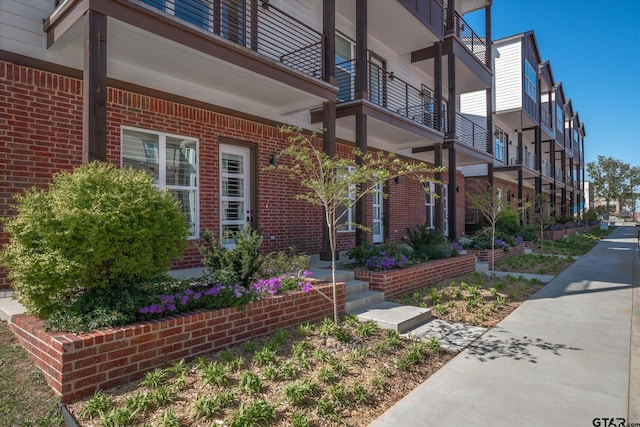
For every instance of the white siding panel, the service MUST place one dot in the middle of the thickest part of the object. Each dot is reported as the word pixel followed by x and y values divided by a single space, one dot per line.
pixel 473 105
pixel 21 26
pixel 307 11
pixel 508 76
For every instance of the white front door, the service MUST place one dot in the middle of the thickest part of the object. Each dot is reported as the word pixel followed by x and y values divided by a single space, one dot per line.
pixel 235 191
pixel 378 210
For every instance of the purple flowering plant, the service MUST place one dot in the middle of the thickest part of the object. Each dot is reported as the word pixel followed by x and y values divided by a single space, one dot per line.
pixel 285 282
pixel 386 261
pixel 198 295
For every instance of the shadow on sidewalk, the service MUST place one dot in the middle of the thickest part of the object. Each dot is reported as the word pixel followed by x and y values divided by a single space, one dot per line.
pixel 490 347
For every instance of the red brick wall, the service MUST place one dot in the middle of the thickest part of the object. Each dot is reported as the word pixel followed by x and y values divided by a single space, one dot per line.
pixel 42 134
pixel 78 365
pixel 395 282
pixel 484 255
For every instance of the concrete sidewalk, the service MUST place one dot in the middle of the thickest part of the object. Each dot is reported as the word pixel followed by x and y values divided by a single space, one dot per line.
pixel 564 357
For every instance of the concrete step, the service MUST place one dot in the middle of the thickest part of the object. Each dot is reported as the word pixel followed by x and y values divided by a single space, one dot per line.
pixel 9 306
pixel 355 286
pixel 325 274
pixel 362 299
pixel 390 315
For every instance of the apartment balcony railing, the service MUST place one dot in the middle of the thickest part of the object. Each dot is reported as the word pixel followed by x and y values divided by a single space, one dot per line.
pixel 545 117
pixel 463 31
pixel 472 134
pixel 256 25
pixel 559 175
pixel 525 158
pixel 546 168
pixel 388 91
pixel 569 180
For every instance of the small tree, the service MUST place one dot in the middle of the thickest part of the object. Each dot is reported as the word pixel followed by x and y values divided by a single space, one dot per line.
pixel 482 197
pixel 542 214
pixel 336 184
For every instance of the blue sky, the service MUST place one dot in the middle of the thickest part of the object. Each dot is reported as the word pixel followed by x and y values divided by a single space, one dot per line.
pixel 594 50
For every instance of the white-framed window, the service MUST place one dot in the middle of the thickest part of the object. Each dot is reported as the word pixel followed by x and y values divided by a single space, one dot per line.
pixel 346 219
pixel 430 204
pixel 500 198
pixel 172 162
pixel 531 79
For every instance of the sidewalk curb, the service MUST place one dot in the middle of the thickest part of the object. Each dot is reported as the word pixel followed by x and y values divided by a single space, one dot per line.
pixel 633 411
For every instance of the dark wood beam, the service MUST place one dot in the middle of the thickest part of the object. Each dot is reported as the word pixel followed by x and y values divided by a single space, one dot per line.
pixel 453 228
pixel 438 205
pixel 362 203
pixel 329 35
pixel 424 54
pixel 94 88
pixel 362 63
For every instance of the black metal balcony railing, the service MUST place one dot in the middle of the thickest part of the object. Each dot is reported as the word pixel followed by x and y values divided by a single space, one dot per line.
pixel 472 134
pixel 525 158
pixel 256 25
pixel 545 117
pixel 546 168
pixel 463 31
pixel 388 91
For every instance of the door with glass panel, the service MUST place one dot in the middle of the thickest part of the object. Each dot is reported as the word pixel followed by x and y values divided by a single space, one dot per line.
pixel 345 68
pixel 235 191
pixel 378 210
pixel 377 83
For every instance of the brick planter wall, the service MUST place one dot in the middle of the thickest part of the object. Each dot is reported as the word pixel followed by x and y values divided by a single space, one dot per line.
pixel 499 254
pixel 78 365
pixel 395 282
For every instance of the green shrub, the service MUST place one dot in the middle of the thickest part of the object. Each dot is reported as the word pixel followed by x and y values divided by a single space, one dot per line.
pixel 590 215
pixel 529 233
pixel 508 221
pixel 427 243
pixel 277 264
pixel 367 251
pixel 95 227
pixel 239 265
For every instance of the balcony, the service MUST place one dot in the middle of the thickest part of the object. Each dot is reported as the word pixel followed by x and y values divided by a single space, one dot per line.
pixel 559 175
pixel 523 158
pixel 472 134
pixel 546 168
pixel 254 24
pixel 545 117
pixel 463 32
pixel 221 52
pixel 569 180
pixel 388 91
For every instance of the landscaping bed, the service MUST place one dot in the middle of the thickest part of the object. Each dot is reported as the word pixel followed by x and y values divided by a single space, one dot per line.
pixel 473 299
pixel 397 281
pixel 77 365
pixel 535 264
pixel 318 375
